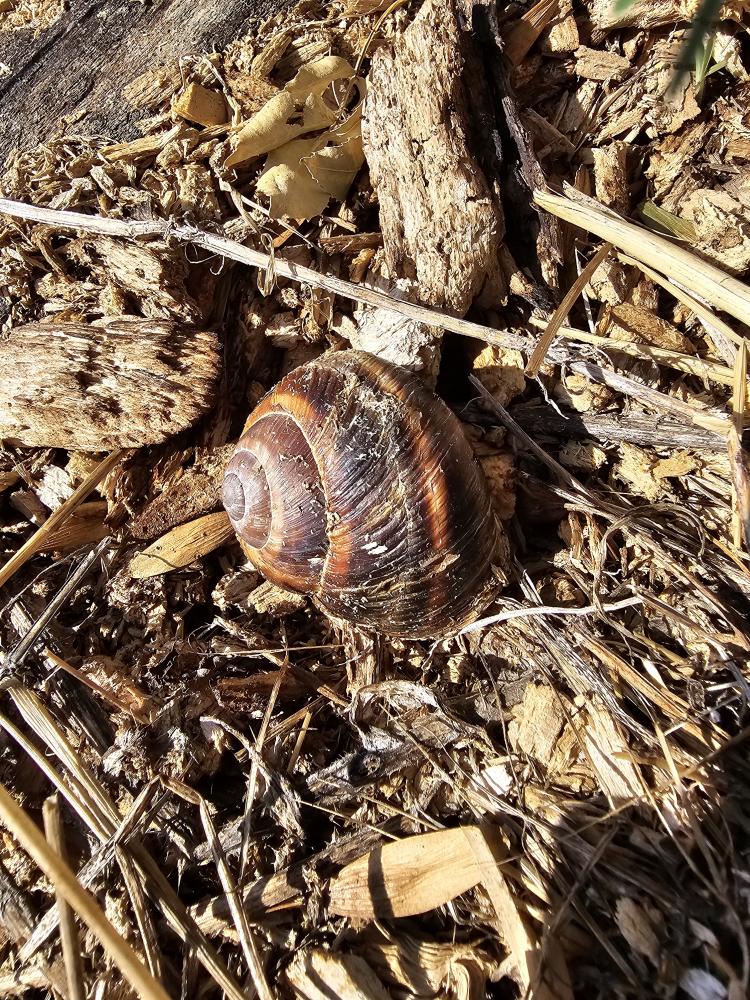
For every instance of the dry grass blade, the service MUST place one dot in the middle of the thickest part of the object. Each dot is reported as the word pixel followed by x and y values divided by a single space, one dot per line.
pixel 84 904
pixel 68 935
pixel 89 798
pixel 58 517
pixel 737 457
pixel 561 313
pixel 93 867
pixel 720 289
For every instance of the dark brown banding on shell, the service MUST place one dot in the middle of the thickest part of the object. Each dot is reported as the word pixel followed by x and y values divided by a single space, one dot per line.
pixel 293 551
pixel 401 533
pixel 412 545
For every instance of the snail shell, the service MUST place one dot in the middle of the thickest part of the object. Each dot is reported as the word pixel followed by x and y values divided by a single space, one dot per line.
pixel 354 484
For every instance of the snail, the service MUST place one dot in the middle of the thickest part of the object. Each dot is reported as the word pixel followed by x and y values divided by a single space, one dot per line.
pixel 354 484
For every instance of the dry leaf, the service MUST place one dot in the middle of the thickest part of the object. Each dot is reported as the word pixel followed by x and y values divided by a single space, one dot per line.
pixel 316 76
pixel 266 130
pixel 296 111
pixel 301 177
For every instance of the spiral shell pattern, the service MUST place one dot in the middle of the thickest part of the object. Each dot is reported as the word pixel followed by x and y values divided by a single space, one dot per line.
pixel 353 483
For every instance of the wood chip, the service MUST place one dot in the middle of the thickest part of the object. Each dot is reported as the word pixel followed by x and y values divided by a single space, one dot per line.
pixel 408 876
pixel 316 974
pixel 201 105
pixel 597 64
pixel 182 545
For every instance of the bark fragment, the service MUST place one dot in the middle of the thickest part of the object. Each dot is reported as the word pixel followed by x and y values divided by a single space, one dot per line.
pixel 129 383
pixel 441 224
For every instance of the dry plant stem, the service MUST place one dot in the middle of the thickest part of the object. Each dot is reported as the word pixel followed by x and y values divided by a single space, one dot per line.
pixel 561 313
pixel 651 397
pixel 369 296
pixel 99 812
pixel 720 289
pixel 77 797
pixel 96 864
pixel 255 258
pixel 67 885
pixel 701 367
pixel 737 463
pixel 17 654
pixel 68 934
pixel 724 336
pixel 37 540
pixel 229 885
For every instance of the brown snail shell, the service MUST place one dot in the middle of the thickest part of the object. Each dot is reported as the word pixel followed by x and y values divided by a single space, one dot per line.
pixel 354 484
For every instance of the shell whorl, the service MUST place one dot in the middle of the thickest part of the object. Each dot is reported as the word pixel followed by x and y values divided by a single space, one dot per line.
pixel 387 521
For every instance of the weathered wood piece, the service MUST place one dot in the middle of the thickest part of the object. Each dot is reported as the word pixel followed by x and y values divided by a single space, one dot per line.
pixel 442 224
pixel 544 423
pixel 182 545
pixel 81 64
pixel 197 492
pixel 129 383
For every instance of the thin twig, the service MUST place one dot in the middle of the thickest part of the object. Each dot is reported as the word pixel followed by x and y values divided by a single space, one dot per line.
pixel 561 313
pixel 229 885
pixel 16 655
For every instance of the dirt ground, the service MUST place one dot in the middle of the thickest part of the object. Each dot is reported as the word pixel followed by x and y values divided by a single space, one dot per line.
pixel 536 210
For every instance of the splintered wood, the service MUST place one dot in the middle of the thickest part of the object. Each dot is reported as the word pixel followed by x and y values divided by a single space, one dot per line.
pixel 442 223
pixel 128 383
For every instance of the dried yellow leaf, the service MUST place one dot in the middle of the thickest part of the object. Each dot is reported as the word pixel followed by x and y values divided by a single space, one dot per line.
pixel 292 113
pixel 316 76
pixel 289 184
pixel 266 130
pixel 335 167
pixel 302 176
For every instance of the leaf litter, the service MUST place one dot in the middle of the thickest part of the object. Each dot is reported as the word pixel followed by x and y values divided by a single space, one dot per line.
pixel 552 804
